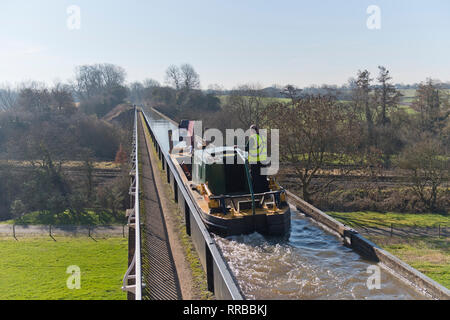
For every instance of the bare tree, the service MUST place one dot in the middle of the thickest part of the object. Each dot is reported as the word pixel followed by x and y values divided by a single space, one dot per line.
pixel 62 98
pixel 100 87
pixel 428 165
pixel 184 77
pixel 136 92
pixel 151 83
pixel 190 78
pixel 173 77
pixel 88 81
pixel 316 131
pixel 35 97
pixel 92 80
pixel 112 75
pixel 248 102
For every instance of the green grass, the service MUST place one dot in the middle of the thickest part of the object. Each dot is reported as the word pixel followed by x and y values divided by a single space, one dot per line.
pixel 429 256
pixel 405 101
pixel 373 219
pixel 407 109
pixel 88 217
pixel 35 268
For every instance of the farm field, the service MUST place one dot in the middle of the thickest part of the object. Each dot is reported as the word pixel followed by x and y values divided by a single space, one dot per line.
pixel 373 219
pixel 35 268
pixel 431 256
pixel 423 250
pixel 405 101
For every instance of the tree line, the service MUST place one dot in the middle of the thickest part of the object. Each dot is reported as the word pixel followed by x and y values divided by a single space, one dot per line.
pixel 180 97
pixel 368 129
pixel 42 127
pixel 359 126
pixel 372 132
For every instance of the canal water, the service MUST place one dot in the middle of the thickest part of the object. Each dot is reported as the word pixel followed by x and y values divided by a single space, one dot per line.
pixel 308 263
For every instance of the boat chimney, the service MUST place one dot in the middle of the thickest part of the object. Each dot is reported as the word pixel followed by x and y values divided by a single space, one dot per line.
pixel 170 141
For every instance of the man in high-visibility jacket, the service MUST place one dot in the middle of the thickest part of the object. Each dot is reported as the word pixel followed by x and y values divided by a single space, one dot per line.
pixel 257 155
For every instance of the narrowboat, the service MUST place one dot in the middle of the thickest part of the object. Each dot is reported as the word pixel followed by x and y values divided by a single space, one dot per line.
pixel 220 184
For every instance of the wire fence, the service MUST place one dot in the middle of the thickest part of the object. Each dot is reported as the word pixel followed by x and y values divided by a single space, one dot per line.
pixel 13 230
pixel 402 230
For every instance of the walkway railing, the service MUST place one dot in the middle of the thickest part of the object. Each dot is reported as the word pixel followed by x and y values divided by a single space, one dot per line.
pixel 132 281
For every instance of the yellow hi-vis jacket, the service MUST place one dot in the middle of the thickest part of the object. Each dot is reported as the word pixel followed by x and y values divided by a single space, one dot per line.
pixel 257 150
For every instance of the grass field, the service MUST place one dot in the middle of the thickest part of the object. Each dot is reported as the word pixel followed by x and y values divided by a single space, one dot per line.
pixel 430 255
pixel 35 268
pixel 373 219
pixel 404 103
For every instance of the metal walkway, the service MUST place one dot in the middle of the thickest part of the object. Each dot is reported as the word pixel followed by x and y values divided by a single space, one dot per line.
pixel 158 268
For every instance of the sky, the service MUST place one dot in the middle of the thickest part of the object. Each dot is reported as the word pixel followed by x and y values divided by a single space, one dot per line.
pixel 229 42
